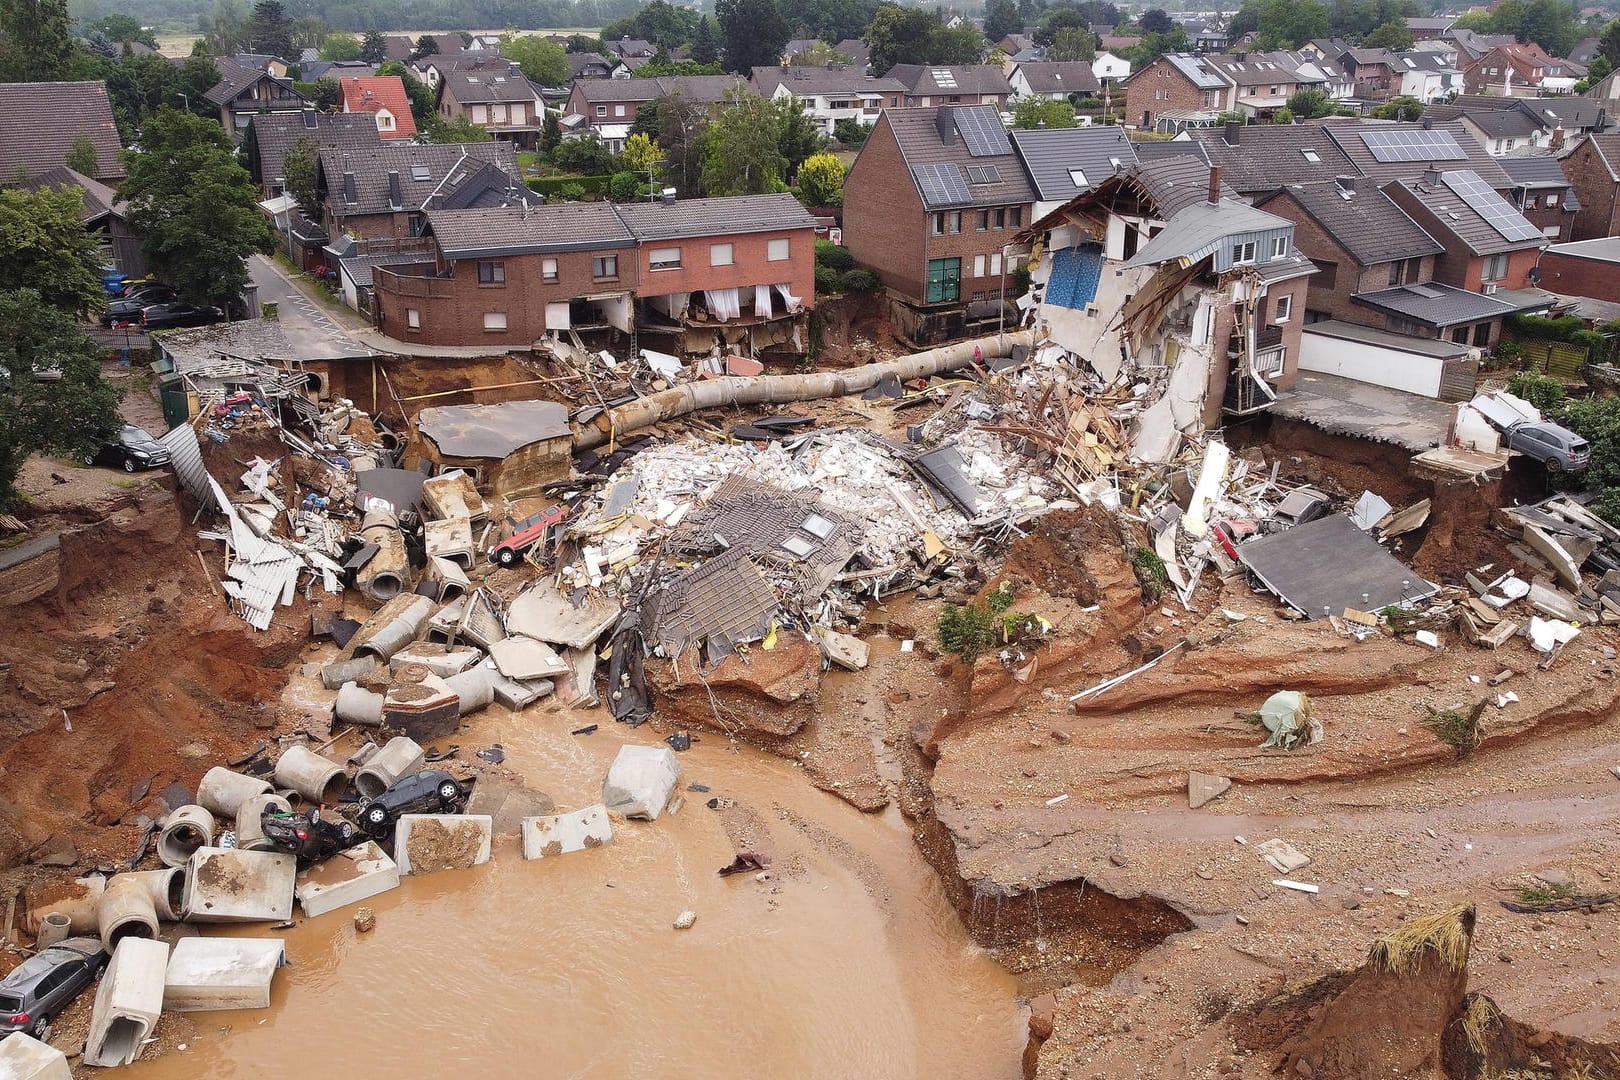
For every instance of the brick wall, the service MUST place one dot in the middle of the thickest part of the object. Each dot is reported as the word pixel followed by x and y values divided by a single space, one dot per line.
pixel 451 310
pixel 368 226
pixel 750 265
pixel 973 242
pixel 1143 100
pixel 1545 217
pixel 1220 368
pixel 1575 276
pixel 885 225
pixel 1596 188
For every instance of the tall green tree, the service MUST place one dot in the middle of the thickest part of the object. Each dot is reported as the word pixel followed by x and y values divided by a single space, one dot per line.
pixel 270 31
pixel 194 207
pixel 120 28
pixel 1001 18
pixel 797 136
pixel 340 45
pixel 752 32
pixel 1390 35
pixel 742 154
pixel 426 45
pixel 543 62
pixel 705 48
pixel 62 416
pixel 44 247
pixel 300 166
pixel 224 28
pixel 1072 43
pixel 551 133
pixel 1056 19
pixel 1154 21
pixel 36 44
pixel 374 47
pixel 898 35
pixel 83 158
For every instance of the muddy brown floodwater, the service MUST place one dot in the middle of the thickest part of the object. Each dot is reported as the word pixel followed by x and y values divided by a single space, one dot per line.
pixel 847 963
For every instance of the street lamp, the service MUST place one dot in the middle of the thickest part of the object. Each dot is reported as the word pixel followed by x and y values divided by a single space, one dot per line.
pixel 185 98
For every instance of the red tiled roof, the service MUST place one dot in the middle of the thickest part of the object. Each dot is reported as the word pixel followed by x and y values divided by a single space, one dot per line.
pixel 375 93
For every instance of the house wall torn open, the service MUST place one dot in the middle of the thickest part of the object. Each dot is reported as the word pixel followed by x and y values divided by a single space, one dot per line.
pixel 1325 566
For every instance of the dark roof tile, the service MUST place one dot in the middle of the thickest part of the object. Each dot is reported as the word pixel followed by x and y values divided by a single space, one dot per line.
pixel 39 123
pixel 1367 224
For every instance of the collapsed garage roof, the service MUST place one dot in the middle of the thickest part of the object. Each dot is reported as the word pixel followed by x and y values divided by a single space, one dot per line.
pixel 492 431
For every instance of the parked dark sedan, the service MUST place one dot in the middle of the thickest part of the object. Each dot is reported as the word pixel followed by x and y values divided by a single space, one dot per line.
pixel 431 791
pixel 43 985
pixel 167 316
pixel 132 450
pixel 128 308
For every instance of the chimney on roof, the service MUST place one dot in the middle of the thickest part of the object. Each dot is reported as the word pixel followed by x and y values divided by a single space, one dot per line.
pixel 667 196
pixel 1214 184
pixel 395 197
pixel 1428 123
pixel 1431 176
pixel 1234 132
pixel 1346 183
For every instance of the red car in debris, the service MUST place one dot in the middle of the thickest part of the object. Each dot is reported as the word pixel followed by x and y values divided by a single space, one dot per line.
pixel 530 531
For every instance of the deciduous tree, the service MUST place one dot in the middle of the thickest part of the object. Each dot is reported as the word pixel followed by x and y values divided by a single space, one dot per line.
pixel 1043 112
pixel 742 154
pixel 299 167
pixel 821 180
pixel 1072 43
pixel 543 62
pixel 44 247
pixel 35 42
pixel 752 33
pixel 1001 18
pixel 340 45
pixel 194 207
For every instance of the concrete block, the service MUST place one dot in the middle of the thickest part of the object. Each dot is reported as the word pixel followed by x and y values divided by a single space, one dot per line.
pixel 640 781
pixel 421 705
pixel 402 756
pixel 128 1002
pixel 425 843
pixel 441 659
pixel 517 695
pixel 230 885
pixel 849 653
pixel 346 878
pixel 23 1057
pixel 335 674
pixel 560 834
pixel 210 973
pixel 525 658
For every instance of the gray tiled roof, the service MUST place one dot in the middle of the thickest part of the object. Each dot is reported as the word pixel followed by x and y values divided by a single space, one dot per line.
pixel 1604 248
pixel 699 88
pixel 276 133
pixel 1540 171
pixel 917 132
pixel 1434 304
pixel 99 199
pixel 1495 123
pixel 235 78
pixel 1368 224
pixel 1348 135
pixel 1049 155
pixel 487 86
pixel 1177 183
pixel 832 79
pixel 1267 156
pixel 920 79
pixel 1156 150
pixel 372 165
pixel 39 123
pixel 359 267
pixel 468 234
pixel 1458 216
pixel 1071 77
pixel 714 217
pixel 1196 229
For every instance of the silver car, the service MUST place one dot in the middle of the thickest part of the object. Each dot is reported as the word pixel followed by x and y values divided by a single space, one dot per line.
pixel 45 984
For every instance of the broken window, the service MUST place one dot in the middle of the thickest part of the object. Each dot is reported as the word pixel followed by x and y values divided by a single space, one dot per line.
pixel 664 258
pixel 1272 362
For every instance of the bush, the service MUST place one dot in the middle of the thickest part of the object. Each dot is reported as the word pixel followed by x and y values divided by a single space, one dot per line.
pixel 624 187
pixel 834 256
pixel 828 280
pixel 569 187
pixel 1544 393
pixel 1283 116
pixel 570 192
pixel 860 280
pixel 851 133
pixel 586 154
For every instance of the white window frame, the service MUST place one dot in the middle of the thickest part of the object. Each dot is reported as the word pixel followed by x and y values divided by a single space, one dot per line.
pixel 413 319
pixel 608 272
pixel 668 258
pixel 978 266
pixel 494 322
pixel 548 271
pixel 618 110
pixel 778 250
pixel 1275 369
pixel 1279 247
pixel 995 264
pixel 722 255
pixel 1077 177
pixel 1491 263
pixel 1283 309
pixel 601 110
pixel 1244 253
pixel 1550 201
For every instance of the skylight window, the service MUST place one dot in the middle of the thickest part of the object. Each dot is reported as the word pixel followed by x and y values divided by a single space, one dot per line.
pixel 421 173
pixel 1077 177
pixel 1311 156
pixel 945 78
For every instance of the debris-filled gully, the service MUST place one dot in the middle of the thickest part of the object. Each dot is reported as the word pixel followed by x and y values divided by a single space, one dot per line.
pixel 953 862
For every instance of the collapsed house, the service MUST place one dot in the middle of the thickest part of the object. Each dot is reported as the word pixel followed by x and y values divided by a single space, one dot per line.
pixel 1162 276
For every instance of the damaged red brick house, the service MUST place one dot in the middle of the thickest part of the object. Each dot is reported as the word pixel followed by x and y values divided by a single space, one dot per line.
pixel 685 277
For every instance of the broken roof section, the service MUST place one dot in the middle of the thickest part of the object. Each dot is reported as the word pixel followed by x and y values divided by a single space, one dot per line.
pixel 772 525
pixel 1325 566
pixel 1202 230
pixel 726 600
pixel 492 431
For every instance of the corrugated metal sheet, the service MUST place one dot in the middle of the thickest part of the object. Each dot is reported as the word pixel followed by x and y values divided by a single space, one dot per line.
pixel 187 458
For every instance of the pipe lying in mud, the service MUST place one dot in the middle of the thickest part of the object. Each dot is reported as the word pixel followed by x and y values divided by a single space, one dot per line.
pixel 186 829
pixel 398 632
pixel 222 791
pixel 773 389
pixel 384 577
pixel 54 927
pixel 399 756
pixel 165 887
pixel 126 910
pixel 319 780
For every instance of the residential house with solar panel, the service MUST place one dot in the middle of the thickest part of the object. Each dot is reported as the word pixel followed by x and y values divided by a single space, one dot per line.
pixel 1487 269
pixel 1163 274
pixel 831 93
pixel 964 84
pixel 1063 162
pixel 1544 195
pixel 686 277
pixel 1175 92
pixel 932 205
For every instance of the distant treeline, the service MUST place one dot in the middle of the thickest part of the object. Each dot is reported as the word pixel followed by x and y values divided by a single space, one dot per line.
pixel 388 15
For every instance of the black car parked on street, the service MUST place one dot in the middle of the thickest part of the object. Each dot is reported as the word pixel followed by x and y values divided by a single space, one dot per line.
pixel 167 316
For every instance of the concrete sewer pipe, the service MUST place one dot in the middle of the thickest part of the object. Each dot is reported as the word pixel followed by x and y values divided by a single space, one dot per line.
pixel 400 757
pixel 222 792
pixel 388 572
pixel 398 632
pixel 318 780
pixel 250 821
pixel 126 910
pixel 186 829
pixel 775 389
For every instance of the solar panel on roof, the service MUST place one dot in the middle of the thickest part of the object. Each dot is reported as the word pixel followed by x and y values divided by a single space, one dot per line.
pixel 1391 146
pixel 982 132
pixel 1485 202
pixel 983 174
pixel 942 184
pixel 1425 291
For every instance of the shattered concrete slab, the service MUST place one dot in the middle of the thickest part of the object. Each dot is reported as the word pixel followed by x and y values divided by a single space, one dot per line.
pixel 428 843
pixel 845 650
pixel 508 803
pixel 346 878
pixel 560 834
pixel 228 885
pixel 1203 788
pixel 518 696
pixel 207 974
pixel 1282 856
pixel 544 613
pixel 441 659
pixel 524 658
